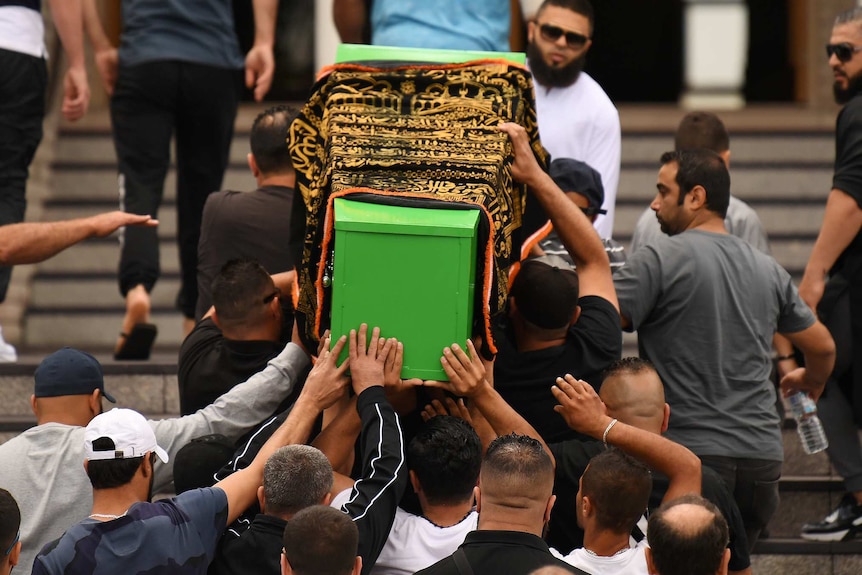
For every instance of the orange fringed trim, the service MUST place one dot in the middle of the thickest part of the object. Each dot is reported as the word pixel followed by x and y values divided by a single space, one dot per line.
pixel 327 237
pixel 326 70
pixel 528 246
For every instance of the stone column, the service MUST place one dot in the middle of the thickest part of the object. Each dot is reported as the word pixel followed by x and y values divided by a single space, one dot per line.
pixel 326 38
pixel 716 47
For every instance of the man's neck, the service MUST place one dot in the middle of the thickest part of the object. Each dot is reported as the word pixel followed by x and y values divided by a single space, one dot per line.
pixel 108 503
pixel 605 543
pixel 447 515
pixel 708 223
pixel 283 180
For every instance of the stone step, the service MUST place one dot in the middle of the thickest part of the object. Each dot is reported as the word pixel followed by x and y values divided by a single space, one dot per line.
pixel 102 257
pixel 785 184
pixel 69 209
pixel 94 327
pixel 101 182
pixel 746 148
pixel 97 148
pixel 94 291
pixel 150 387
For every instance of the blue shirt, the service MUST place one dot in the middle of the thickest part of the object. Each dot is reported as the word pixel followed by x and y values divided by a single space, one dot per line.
pixel 442 24
pixel 199 31
pixel 175 536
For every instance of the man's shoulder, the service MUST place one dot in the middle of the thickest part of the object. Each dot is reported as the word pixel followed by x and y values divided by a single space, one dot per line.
pixel 597 95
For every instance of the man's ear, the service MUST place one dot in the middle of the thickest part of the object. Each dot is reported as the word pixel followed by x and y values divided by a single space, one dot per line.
pixel 725 560
pixel 357 565
pixel 33 405
pixel 477 494
pixel 531 30
pixel 285 566
pixel 15 554
pixel 327 499
pixel 575 315
pixel 96 402
pixel 414 481
pixel 550 505
pixel 665 418
pixel 696 198
pixel 252 165
pixel 214 317
pixel 261 499
pixel 649 562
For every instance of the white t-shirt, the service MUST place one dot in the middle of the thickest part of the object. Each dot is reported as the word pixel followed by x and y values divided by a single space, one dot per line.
pixel 414 542
pixel 631 561
pixel 22 30
pixel 582 123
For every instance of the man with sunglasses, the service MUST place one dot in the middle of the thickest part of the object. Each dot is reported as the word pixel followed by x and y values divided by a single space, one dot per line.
pixel 576 118
pixel 832 283
pixel 240 333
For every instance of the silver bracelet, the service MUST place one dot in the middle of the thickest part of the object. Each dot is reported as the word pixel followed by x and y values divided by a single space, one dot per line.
pixel 607 429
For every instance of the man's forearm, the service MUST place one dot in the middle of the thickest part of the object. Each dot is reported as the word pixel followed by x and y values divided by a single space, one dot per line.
pixel 842 221
pixel 503 418
pixel 681 466
pixel 265 15
pixel 93 25
pixel 28 243
pixel 350 17
pixel 68 19
pixel 376 495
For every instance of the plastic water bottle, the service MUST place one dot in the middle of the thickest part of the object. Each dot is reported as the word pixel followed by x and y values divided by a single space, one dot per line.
pixel 807 423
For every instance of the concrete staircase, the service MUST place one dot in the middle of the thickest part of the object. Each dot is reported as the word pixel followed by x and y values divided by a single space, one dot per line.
pixel 783 171
pixel 74 295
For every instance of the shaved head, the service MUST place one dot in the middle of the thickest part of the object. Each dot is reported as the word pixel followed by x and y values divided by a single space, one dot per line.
pixel 634 394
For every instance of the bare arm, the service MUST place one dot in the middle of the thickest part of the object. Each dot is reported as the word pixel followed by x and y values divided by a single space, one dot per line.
pixel 818 347
pixel 350 17
pixel 325 384
pixel 68 19
pixel 575 230
pixel 104 52
pixel 260 61
pixel 585 412
pixel 841 223
pixel 32 242
pixel 466 375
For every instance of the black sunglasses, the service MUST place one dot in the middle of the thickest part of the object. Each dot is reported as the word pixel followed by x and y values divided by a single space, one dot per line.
pixel 843 51
pixel 552 33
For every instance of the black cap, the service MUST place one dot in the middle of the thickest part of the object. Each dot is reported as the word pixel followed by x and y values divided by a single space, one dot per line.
pixel 579 177
pixel 70 372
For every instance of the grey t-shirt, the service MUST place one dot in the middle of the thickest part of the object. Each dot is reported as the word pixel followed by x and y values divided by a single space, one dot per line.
pixel 741 221
pixel 199 31
pixel 706 306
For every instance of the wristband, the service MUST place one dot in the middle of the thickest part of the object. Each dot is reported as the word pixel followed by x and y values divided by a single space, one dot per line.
pixel 607 429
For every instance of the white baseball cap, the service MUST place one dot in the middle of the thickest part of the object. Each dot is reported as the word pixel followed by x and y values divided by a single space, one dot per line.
pixel 130 432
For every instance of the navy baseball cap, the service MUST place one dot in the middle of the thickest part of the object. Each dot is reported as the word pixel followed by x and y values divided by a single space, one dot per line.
pixel 70 372
pixel 580 178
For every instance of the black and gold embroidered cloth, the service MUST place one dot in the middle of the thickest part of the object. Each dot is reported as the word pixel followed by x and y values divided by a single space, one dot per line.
pixel 412 133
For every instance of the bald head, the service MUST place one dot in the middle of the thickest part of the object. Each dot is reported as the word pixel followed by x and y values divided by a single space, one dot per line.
pixel 634 394
pixel 688 536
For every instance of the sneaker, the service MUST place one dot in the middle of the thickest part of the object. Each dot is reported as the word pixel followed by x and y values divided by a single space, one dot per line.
pixel 840 525
pixel 7 350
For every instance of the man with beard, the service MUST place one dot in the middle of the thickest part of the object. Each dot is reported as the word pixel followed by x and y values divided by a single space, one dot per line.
pixel 837 255
pixel 576 118
pixel 706 305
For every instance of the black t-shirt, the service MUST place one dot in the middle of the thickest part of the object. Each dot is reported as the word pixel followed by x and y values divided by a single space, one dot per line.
pixel 848 178
pixel 572 458
pixel 524 379
pixel 210 365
